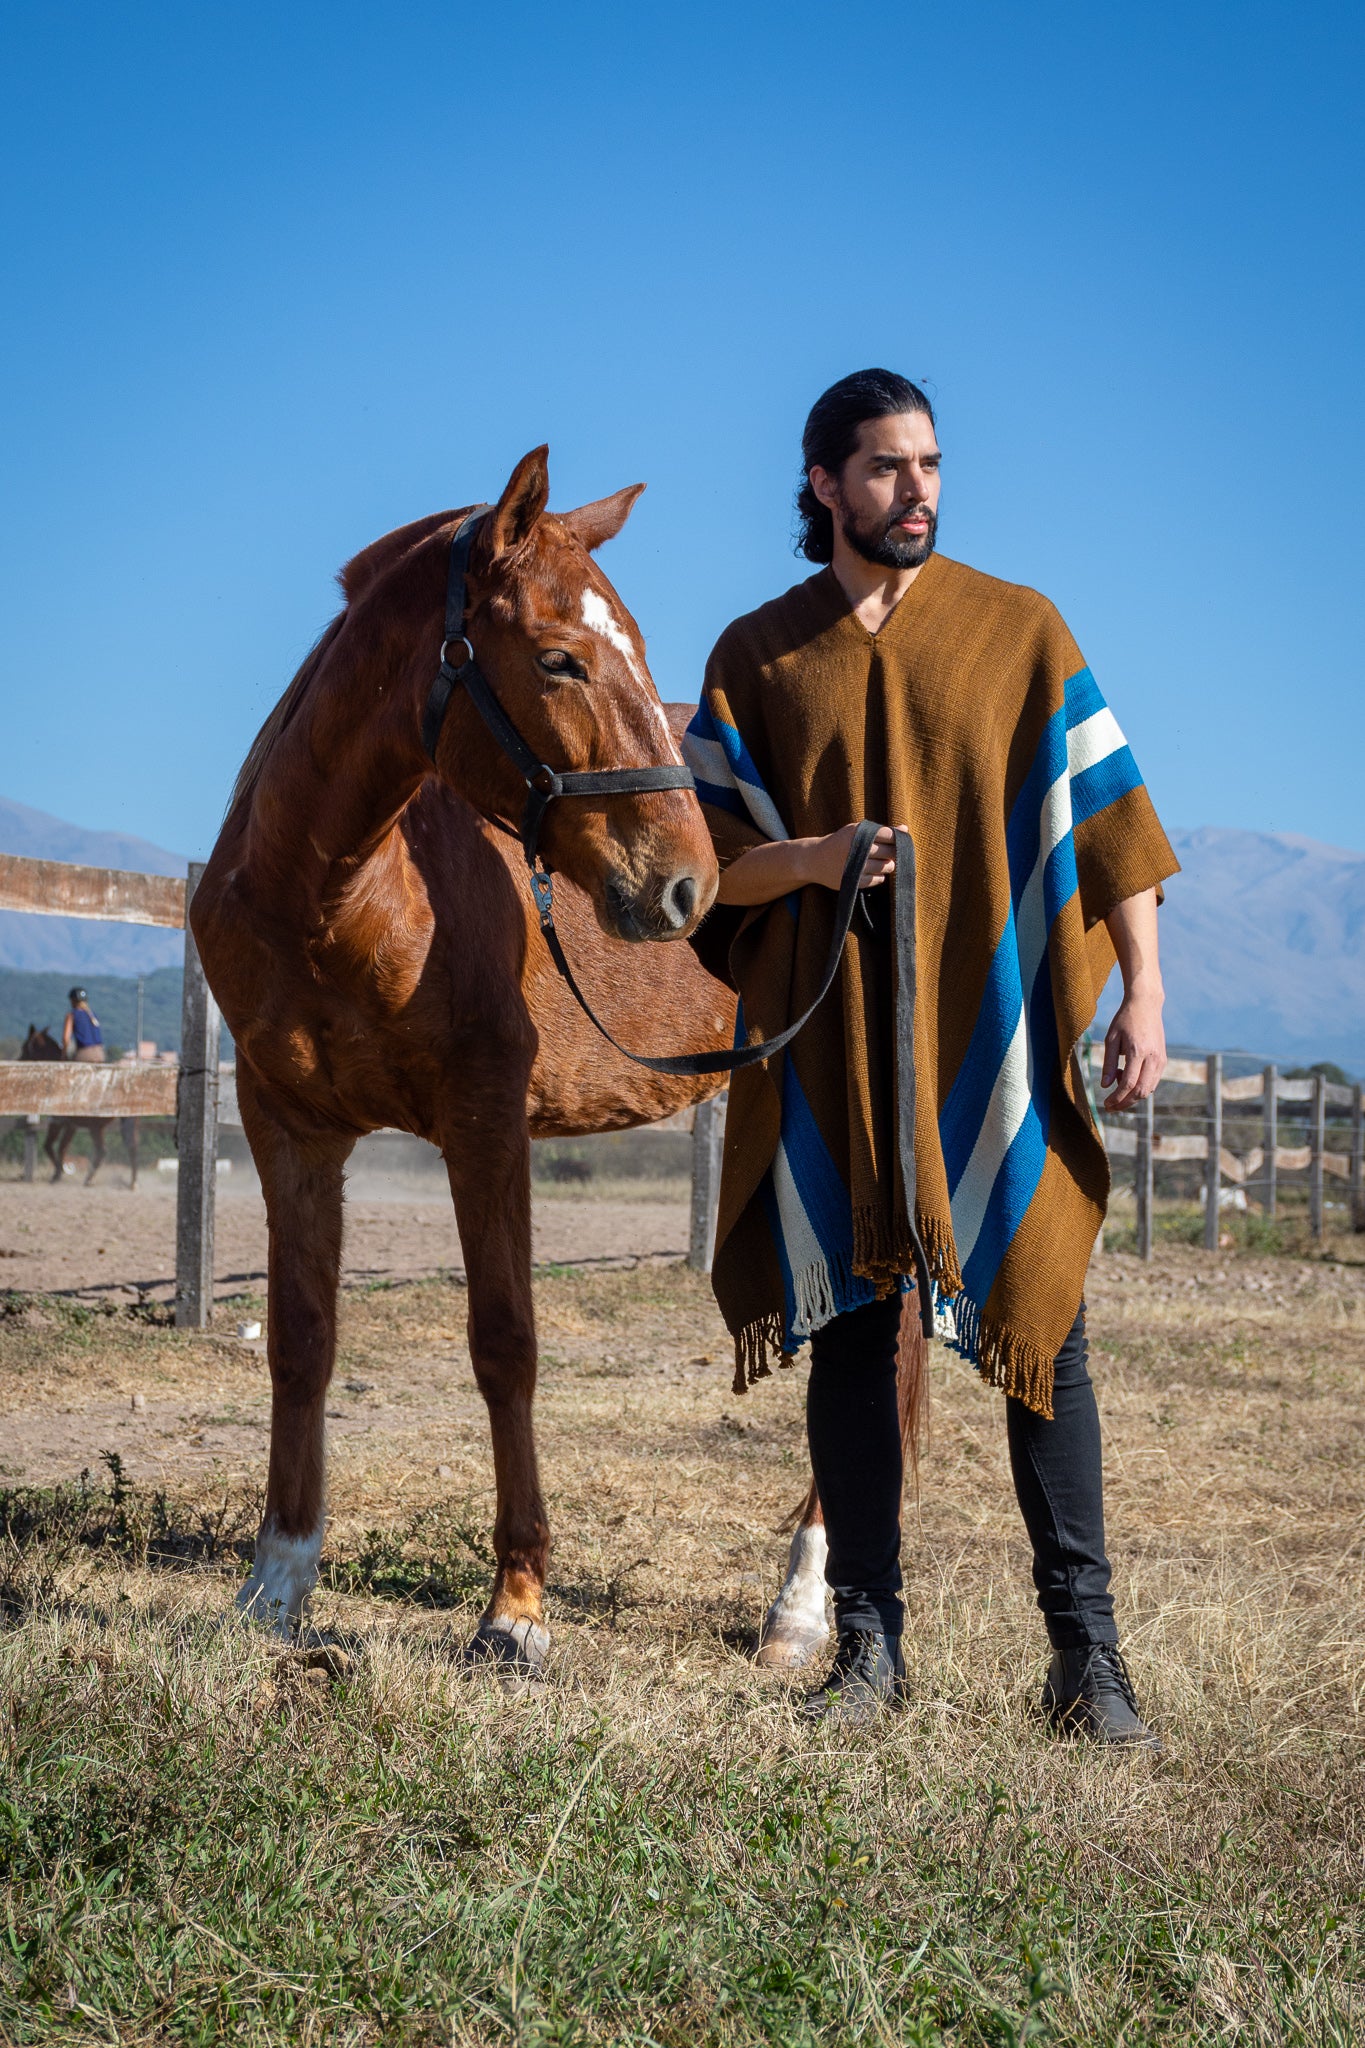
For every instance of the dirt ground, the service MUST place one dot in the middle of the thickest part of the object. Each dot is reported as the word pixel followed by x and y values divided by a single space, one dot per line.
pixel 119 1243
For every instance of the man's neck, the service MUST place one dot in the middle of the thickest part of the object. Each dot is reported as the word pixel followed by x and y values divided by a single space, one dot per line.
pixel 873 591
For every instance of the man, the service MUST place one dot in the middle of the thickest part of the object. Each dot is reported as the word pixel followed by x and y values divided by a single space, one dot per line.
pixel 903 687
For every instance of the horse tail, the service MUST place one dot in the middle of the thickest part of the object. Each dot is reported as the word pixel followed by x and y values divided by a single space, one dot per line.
pixel 912 1386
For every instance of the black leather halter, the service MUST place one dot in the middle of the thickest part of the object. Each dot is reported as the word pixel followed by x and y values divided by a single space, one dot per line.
pixel 544 784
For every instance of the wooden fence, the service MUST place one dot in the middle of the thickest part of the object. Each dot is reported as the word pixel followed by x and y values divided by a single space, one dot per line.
pixel 1136 1135
pixel 189 1093
pixel 200 1099
pixel 197 1094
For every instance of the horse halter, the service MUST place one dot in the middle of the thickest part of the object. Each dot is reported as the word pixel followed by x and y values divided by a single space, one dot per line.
pixel 543 783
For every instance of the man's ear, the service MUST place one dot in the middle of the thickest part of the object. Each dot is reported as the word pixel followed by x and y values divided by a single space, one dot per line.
pixel 519 507
pixel 603 520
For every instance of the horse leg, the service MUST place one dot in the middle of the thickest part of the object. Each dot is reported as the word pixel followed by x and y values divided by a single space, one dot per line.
pixel 96 1129
pixel 794 1628
pixel 490 1181
pixel 59 1136
pixel 302 1181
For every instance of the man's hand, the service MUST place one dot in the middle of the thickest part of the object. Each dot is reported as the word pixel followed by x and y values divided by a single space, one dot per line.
pixel 766 872
pixel 1137 1036
pixel 1137 1039
pixel 825 859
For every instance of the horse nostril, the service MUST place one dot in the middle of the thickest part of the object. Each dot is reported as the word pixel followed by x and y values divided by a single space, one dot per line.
pixel 680 900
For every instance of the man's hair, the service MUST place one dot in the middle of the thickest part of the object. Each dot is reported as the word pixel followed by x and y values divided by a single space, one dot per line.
pixel 832 435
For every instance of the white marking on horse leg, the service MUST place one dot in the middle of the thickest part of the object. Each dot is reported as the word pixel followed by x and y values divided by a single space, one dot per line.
pixel 794 1627
pixel 284 1574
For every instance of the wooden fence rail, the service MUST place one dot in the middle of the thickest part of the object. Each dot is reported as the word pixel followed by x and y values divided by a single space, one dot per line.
pixel 1134 1135
pixel 201 1098
pixel 189 1093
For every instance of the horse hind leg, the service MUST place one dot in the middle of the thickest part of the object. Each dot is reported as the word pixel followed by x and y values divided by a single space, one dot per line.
pixel 54 1146
pixel 96 1131
pixel 794 1627
pixel 302 1181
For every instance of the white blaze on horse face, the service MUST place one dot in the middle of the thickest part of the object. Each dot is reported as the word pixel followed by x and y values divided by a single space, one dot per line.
pixel 599 617
pixel 284 1574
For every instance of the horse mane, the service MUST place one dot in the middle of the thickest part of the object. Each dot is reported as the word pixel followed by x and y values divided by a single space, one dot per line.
pixel 250 772
pixel 358 577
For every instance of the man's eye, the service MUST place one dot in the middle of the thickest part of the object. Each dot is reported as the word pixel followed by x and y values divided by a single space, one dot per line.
pixel 557 663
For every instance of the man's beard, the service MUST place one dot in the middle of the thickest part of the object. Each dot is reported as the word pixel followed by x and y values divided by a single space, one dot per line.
pixel 880 543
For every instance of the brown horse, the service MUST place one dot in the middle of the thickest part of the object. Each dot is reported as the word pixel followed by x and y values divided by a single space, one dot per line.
pixel 367 928
pixel 41 1045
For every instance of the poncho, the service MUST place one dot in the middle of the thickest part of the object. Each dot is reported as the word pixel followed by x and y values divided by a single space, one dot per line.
pixel 971 718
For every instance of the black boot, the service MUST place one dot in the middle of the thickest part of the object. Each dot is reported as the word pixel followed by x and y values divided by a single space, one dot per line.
pixel 1089 1692
pixel 868 1676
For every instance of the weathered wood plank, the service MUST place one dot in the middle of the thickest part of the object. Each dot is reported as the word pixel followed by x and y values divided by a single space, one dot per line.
pixel 1120 1141
pixel 1339 1095
pixel 1295 1091
pixel 708 1146
pixel 56 888
pixel 1293 1158
pixel 1248 1089
pixel 50 1088
pixel 1337 1163
pixel 1166 1147
pixel 196 1138
pixel 1191 1073
pixel 1214 1152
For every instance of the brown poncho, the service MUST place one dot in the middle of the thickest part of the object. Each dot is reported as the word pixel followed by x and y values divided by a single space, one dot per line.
pixel 971 718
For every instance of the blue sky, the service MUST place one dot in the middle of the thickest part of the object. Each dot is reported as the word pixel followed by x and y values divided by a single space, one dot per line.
pixel 278 279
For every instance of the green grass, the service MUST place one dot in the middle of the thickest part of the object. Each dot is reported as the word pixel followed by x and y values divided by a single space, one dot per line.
pixel 205 1840
pixel 202 1840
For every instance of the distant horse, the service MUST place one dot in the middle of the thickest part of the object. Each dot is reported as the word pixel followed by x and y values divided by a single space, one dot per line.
pixel 366 926
pixel 41 1045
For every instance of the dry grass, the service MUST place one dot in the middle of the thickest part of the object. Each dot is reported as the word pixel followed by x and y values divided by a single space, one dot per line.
pixel 202 1841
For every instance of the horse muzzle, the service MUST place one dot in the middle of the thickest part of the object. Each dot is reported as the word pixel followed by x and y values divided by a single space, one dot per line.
pixel 667 910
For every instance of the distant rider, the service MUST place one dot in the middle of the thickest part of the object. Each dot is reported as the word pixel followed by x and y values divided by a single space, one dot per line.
pixel 81 1028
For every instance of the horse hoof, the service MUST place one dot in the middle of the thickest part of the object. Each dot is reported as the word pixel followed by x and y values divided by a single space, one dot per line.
pixel 794 1628
pixel 515 1651
pixel 784 1642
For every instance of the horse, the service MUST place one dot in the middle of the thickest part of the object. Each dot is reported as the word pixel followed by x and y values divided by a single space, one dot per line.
pixel 365 924
pixel 41 1045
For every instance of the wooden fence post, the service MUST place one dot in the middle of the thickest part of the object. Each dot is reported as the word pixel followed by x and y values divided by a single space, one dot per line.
pixel 1357 1160
pixel 1270 1110
pixel 1317 1145
pixel 1213 1177
pixel 708 1144
pixel 196 1135
pixel 30 1147
pixel 1144 1179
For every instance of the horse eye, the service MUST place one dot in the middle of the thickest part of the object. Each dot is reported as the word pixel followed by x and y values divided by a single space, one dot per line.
pixel 558 663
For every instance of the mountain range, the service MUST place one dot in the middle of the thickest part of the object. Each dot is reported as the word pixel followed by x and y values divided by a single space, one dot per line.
pixel 1262 934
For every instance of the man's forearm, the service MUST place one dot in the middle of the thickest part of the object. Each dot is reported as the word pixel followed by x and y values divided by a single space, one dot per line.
pixel 1135 1044
pixel 1132 927
pixel 766 872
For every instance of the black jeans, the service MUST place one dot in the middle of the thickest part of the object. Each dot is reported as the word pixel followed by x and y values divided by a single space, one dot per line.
pixel 855 1450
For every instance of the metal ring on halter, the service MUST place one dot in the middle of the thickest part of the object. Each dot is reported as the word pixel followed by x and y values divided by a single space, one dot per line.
pixel 468 652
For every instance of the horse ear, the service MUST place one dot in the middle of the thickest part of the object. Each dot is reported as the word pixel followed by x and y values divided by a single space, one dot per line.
pixel 519 507
pixel 602 520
